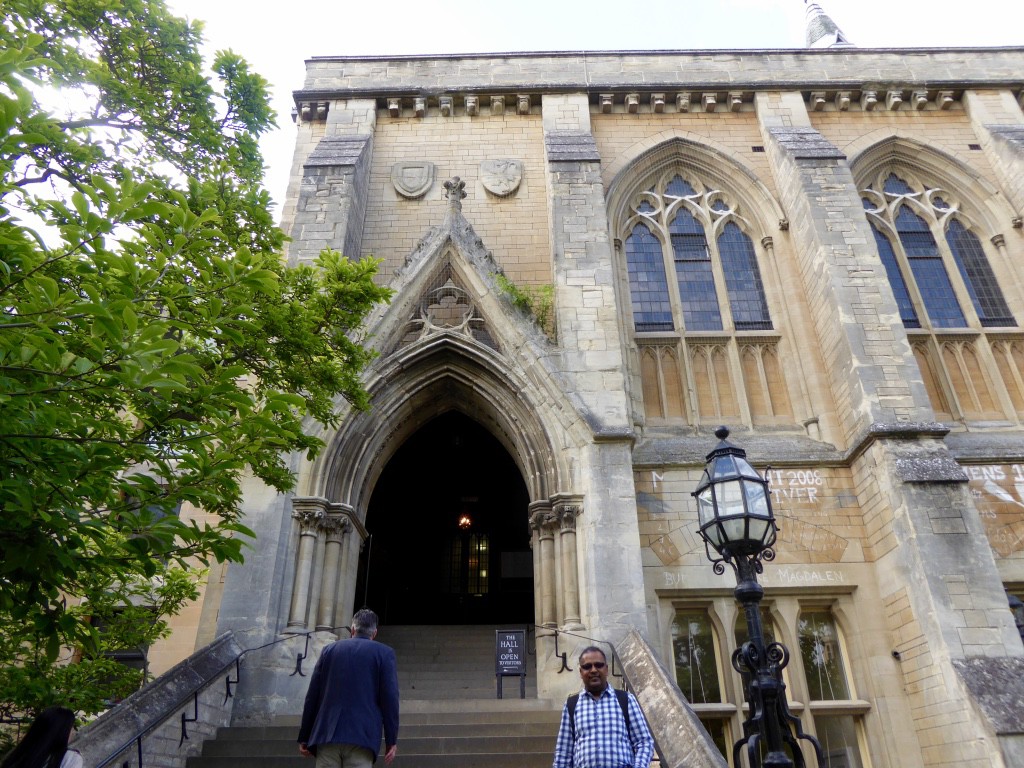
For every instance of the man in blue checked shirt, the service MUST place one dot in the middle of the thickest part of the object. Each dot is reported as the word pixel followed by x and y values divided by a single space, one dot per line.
pixel 596 734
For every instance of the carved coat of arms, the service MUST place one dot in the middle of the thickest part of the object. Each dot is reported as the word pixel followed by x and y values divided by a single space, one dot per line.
pixel 501 177
pixel 412 179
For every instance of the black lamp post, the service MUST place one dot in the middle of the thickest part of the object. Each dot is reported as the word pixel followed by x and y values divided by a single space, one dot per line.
pixel 734 510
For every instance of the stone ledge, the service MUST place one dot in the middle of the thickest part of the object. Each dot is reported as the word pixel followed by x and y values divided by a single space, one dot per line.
pixel 337 151
pixel 1012 134
pixel 806 144
pixel 571 146
pixel 930 469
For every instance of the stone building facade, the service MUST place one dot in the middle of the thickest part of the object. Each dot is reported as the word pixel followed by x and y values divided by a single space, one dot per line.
pixel 821 249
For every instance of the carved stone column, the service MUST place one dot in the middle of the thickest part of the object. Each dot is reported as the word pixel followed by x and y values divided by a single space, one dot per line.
pixel 308 512
pixel 567 509
pixel 334 527
pixel 355 538
pixel 542 522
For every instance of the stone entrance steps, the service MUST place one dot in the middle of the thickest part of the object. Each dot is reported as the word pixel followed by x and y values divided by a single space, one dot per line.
pixel 453 662
pixel 474 734
pixel 450 717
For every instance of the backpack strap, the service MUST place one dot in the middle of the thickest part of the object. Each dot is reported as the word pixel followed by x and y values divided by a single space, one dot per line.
pixel 572 701
pixel 623 698
pixel 570 705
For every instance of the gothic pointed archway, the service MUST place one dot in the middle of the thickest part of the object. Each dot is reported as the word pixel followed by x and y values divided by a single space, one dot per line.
pixel 449 541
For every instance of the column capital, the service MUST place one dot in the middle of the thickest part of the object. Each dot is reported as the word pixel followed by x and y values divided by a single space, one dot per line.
pixel 335 526
pixel 541 515
pixel 309 510
pixel 567 508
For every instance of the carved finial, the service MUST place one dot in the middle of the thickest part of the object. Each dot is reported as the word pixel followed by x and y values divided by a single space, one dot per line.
pixel 455 192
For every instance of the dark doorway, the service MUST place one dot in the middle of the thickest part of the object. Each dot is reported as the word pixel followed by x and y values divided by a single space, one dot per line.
pixel 450 539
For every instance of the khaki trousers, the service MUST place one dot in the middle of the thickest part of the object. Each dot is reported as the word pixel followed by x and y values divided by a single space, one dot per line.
pixel 343 756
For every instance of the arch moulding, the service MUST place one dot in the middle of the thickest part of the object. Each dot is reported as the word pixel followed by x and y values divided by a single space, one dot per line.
pixel 425 380
pixel 884 146
pixel 717 164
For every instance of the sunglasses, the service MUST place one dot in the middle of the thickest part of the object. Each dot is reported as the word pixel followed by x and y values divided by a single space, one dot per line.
pixel 593 665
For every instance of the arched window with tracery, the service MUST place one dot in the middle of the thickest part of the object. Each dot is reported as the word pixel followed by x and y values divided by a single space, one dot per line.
pixel 707 344
pixel 960 326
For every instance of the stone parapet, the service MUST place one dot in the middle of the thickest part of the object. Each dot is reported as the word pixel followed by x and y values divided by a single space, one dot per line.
pixel 659 70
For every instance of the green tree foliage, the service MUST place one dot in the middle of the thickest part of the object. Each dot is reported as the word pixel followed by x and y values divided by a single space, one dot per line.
pixel 153 348
pixel 88 679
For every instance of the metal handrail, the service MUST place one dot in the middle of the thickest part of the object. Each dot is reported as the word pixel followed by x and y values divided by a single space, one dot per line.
pixel 564 656
pixel 194 692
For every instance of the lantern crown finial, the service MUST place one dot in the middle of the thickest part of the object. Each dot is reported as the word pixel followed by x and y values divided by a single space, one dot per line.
pixel 722 432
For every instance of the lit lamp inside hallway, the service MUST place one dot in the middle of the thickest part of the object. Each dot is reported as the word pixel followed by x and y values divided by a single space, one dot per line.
pixel 734 510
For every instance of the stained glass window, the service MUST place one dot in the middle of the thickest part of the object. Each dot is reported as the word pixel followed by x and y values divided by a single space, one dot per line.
pixel 680 187
pixel 743 280
pixel 899 286
pixel 894 185
pixel 929 272
pixel 919 257
pixel 648 287
pixel 693 271
pixel 711 275
pixel 978 276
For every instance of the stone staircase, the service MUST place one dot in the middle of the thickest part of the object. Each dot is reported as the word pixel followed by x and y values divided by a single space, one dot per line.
pixel 450 718
pixel 452 662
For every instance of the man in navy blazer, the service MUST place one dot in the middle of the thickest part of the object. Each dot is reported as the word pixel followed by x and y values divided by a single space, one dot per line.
pixel 352 697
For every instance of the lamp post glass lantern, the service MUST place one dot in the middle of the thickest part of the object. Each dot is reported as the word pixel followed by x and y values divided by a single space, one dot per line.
pixel 734 512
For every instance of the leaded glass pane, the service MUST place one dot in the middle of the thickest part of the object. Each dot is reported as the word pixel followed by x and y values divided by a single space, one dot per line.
pixel 648 286
pixel 718 730
pixel 894 185
pixel 915 234
pixel 822 657
pixel 693 649
pixel 767 628
pixel 929 272
pixel 978 276
pixel 742 634
pixel 679 187
pixel 838 738
pixel 899 286
pixel 693 272
pixel 743 280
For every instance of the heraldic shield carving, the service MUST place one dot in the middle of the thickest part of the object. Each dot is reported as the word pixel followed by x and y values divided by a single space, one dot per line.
pixel 501 177
pixel 412 178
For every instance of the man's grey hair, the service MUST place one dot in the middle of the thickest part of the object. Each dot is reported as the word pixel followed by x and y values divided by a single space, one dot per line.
pixel 592 649
pixel 364 623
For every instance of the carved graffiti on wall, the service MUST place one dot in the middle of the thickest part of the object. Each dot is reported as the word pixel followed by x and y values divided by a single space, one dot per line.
pixel 798 497
pixel 998 491
pixel 795 486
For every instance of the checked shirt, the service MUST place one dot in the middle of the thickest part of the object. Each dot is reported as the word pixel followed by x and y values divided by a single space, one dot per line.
pixel 601 737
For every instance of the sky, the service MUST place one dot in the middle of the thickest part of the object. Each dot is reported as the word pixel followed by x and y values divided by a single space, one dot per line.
pixel 277 37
